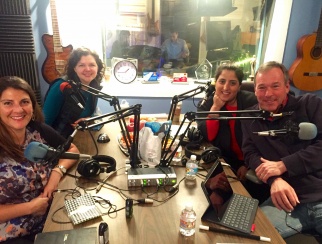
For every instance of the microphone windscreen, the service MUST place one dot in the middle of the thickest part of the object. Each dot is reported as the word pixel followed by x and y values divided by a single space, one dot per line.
pixel 36 151
pixel 64 85
pixel 307 131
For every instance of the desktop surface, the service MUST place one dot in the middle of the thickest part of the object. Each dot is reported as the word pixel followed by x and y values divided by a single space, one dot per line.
pixel 150 223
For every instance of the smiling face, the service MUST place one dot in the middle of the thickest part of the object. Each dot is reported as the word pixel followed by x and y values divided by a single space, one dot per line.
pixel 86 69
pixel 227 86
pixel 271 89
pixel 15 110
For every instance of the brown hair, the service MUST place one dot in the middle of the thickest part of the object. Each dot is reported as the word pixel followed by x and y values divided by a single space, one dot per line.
pixel 7 145
pixel 74 58
pixel 238 71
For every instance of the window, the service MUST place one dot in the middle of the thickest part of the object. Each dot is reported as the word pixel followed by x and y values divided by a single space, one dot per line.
pixel 216 30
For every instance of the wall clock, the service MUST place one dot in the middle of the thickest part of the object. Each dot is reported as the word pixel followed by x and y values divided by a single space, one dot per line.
pixel 125 71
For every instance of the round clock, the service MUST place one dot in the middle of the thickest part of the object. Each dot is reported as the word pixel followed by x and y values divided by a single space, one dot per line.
pixel 125 71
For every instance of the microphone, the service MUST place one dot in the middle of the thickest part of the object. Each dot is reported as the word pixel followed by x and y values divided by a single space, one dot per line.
pixel 305 131
pixel 67 90
pixel 37 152
pixel 209 91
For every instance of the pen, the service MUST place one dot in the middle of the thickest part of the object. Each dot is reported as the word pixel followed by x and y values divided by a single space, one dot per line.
pixel 261 238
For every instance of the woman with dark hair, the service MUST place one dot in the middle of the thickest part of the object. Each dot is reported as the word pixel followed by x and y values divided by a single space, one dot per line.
pixel 26 187
pixel 227 134
pixel 60 109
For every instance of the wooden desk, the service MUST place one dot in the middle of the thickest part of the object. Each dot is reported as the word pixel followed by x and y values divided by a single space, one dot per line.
pixel 157 223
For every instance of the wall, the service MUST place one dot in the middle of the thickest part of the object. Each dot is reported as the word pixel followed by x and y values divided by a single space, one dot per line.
pixel 303 20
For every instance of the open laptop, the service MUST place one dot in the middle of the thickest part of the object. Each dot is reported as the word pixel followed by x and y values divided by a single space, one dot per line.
pixel 225 207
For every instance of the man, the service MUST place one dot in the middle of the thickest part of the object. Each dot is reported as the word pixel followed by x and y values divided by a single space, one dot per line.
pixel 175 50
pixel 291 166
pixel 119 45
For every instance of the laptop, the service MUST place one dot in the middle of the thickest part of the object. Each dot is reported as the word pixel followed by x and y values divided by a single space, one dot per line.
pixel 227 208
pixel 74 236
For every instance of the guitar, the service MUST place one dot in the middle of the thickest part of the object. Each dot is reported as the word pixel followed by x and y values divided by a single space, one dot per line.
pixel 57 55
pixel 306 70
pixel 153 26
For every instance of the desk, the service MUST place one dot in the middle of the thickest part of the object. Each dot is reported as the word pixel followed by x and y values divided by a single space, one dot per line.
pixel 157 223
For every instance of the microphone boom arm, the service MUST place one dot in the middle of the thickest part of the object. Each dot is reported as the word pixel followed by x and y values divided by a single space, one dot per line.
pixel 192 116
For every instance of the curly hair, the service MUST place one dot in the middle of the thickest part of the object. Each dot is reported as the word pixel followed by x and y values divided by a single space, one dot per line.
pixel 7 145
pixel 74 58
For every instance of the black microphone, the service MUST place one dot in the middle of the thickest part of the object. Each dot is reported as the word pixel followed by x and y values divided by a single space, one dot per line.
pixel 305 131
pixel 37 152
pixel 67 90
pixel 209 91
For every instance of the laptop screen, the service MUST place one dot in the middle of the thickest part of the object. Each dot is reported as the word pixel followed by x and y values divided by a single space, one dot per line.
pixel 217 190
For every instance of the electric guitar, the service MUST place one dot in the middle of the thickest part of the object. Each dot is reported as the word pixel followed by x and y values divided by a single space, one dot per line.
pixel 306 70
pixel 57 55
pixel 153 26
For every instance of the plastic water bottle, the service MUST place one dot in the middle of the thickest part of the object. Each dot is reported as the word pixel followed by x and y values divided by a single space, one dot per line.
pixel 178 154
pixel 191 168
pixel 188 220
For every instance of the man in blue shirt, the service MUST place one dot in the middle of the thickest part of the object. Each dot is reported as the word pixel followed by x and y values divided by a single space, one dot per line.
pixel 175 50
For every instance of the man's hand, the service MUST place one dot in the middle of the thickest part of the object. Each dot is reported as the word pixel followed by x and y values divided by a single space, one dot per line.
pixel 283 195
pixel 268 169
pixel 241 173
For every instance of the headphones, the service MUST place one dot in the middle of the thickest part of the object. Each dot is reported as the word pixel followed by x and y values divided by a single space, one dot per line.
pixel 209 155
pixel 194 135
pixel 92 167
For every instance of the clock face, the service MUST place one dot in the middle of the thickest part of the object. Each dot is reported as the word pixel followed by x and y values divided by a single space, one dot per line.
pixel 125 71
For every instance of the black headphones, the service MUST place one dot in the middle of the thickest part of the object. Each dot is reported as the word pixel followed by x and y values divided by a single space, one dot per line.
pixel 92 167
pixel 194 135
pixel 209 155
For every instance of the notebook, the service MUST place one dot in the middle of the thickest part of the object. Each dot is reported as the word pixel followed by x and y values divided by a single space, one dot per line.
pixel 74 236
pixel 225 207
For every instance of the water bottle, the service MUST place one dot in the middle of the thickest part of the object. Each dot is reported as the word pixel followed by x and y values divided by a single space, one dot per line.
pixel 188 220
pixel 178 154
pixel 191 168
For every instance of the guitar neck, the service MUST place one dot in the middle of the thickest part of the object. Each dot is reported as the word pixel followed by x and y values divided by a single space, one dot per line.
pixel 318 42
pixel 56 36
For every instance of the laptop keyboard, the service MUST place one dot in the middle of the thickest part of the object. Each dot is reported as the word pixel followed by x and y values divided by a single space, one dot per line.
pixel 240 213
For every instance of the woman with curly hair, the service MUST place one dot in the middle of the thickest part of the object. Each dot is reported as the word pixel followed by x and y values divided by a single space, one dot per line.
pixel 60 109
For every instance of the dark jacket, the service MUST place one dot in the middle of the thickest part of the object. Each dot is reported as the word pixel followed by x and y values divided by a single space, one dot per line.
pixel 302 158
pixel 245 99
pixel 60 109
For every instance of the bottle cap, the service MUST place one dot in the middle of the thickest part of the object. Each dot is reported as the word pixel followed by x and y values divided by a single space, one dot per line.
pixel 189 206
pixel 193 157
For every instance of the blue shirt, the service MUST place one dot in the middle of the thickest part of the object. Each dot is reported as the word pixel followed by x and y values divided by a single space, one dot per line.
pixel 174 49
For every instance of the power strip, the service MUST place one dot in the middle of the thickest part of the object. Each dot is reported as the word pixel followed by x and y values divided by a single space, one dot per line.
pixel 159 176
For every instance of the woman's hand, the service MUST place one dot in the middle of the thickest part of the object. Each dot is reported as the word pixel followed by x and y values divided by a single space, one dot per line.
pixel 52 184
pixel 79 120
pixel 38 205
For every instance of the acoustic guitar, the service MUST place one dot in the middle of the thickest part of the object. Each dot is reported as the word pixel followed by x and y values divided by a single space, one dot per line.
pixel 153 26
pixel 306 70
pixel 57 55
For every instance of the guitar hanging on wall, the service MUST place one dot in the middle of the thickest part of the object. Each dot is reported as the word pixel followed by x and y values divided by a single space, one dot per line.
pixel 306 70
pixel 57 55
pixel 153 26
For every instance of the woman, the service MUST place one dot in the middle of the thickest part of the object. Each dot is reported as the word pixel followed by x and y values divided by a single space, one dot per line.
pixel 60 109
pixel 26 187
pixel 227 134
